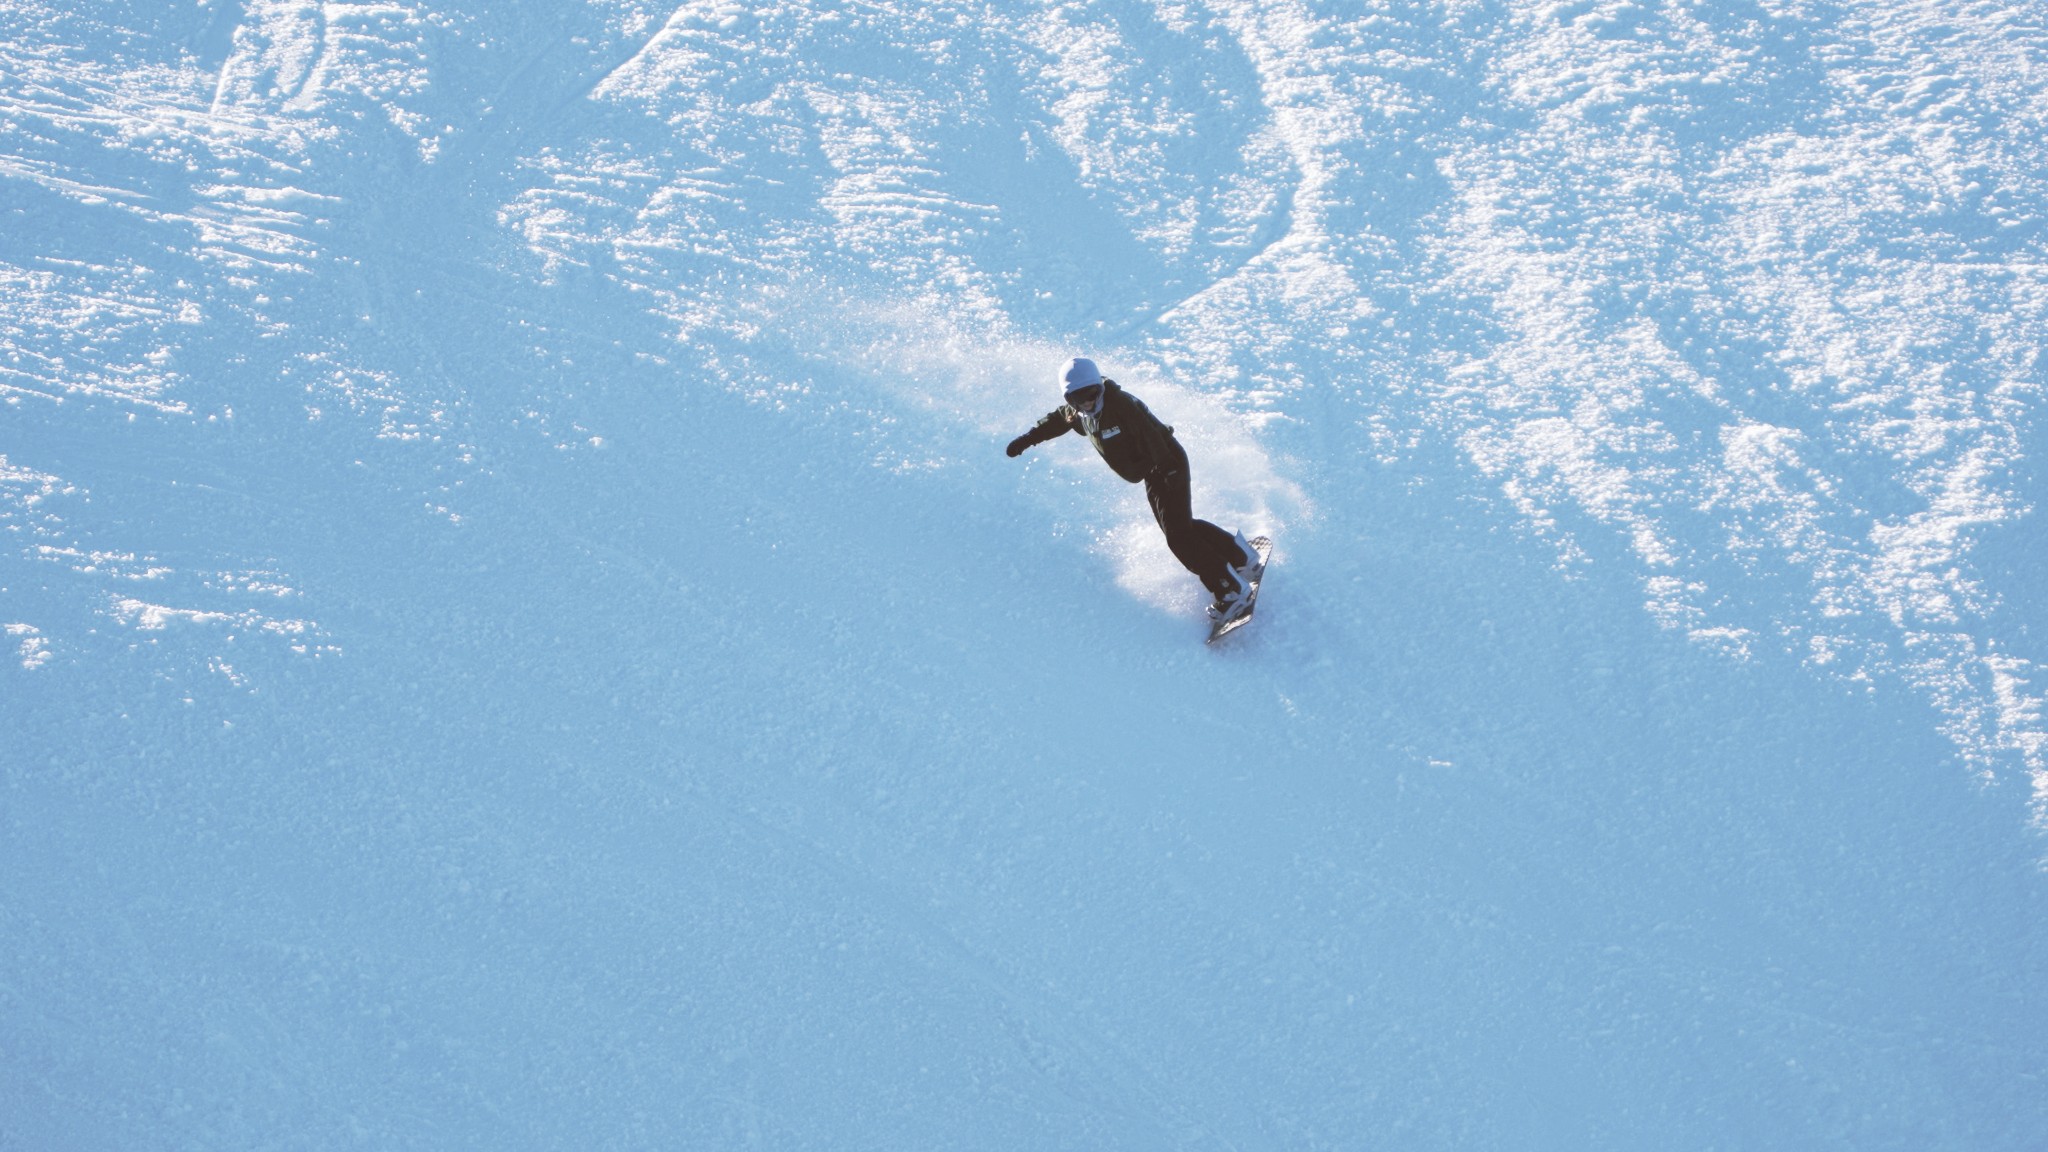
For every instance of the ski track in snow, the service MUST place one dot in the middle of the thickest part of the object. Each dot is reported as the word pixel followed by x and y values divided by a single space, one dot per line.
pixel 1740 306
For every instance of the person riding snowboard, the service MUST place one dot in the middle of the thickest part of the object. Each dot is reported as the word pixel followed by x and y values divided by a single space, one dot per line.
pixel 1139 448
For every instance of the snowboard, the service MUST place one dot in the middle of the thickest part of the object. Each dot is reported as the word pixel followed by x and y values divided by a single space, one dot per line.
pixel 1238 619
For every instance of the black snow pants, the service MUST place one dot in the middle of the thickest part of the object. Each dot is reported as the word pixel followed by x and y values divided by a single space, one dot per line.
pixel 1201 547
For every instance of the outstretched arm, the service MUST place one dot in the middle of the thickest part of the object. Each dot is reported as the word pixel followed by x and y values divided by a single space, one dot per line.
pixel 1055 423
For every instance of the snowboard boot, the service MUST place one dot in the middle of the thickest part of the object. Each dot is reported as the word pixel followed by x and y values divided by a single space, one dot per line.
pixel 1229 600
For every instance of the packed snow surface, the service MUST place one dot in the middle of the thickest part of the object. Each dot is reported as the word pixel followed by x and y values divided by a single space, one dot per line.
pixel 519 631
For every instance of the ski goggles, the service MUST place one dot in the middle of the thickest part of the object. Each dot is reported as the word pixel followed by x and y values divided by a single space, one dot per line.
pixel 1085 399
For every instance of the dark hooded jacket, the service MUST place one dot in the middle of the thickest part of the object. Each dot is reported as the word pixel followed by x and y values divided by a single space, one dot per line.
pixel 1130 439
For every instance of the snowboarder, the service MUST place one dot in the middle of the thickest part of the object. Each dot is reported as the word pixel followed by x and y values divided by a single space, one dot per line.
pixel 1139 448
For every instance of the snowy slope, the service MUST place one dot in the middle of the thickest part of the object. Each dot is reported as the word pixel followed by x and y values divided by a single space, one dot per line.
pixel 522 634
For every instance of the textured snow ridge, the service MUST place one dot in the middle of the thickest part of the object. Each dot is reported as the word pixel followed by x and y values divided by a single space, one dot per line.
pixel 166 186
pixel 1801 341
pixel 1695 326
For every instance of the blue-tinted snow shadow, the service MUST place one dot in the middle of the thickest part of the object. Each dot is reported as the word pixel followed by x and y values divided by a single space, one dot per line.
pixel 1782 882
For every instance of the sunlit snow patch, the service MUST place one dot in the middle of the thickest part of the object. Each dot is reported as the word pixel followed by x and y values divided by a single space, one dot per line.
pixel 31 647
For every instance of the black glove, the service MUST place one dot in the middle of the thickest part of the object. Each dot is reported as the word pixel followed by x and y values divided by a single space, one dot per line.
pixel 1017 446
